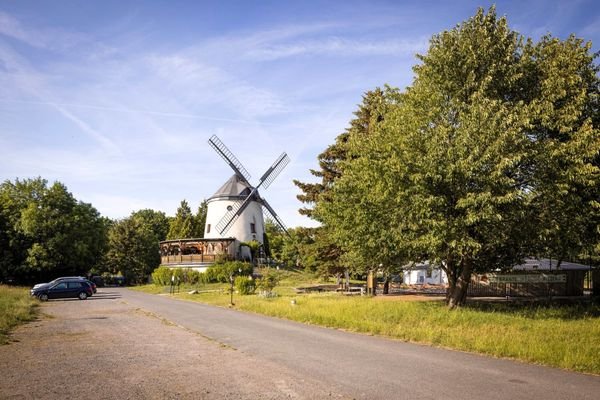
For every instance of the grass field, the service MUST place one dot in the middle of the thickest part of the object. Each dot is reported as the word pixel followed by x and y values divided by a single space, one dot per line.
pixel 16 307
pixel 566 336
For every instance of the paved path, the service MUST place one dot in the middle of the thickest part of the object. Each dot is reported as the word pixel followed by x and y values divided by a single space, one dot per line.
pixel 368 367
pixel 106 349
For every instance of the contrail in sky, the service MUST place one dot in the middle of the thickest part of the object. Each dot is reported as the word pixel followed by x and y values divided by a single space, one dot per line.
pixel 133 111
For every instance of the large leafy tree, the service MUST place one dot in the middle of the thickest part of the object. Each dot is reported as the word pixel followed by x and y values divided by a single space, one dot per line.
pixel 46 231
pixel 563 100
pixel 132 248
pixel 274 240
pixel 489 156
pixel 156 221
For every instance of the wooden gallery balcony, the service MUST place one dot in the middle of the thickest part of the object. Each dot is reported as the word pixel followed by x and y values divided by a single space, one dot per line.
pixel 196 251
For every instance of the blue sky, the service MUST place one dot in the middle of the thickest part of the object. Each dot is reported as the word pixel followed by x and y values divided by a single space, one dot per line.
pixel 117 99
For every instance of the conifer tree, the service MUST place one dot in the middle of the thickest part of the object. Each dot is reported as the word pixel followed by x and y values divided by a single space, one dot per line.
pixel 183 225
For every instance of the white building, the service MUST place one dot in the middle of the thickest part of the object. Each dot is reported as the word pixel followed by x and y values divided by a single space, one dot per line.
pixel 248 226
pixel 424 273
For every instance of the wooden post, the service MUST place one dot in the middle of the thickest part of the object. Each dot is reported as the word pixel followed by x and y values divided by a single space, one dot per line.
pixel 372 283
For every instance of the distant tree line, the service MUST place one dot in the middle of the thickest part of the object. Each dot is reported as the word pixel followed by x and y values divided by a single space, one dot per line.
pixel 45 232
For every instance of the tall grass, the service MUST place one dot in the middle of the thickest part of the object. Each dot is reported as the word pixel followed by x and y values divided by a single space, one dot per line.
pixel 16 307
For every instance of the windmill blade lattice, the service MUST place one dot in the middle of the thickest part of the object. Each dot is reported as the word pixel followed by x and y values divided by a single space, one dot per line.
pixel 228 156
pixel 265 181
pixel 230 217
pixel 274 170
pixel 268 177
pixel 268 210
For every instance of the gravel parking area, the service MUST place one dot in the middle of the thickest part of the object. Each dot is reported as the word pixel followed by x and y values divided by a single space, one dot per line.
pixel 105 348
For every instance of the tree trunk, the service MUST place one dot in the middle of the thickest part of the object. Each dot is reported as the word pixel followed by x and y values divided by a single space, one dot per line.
pixel 386 285
pixel 458 285
pixel 451 272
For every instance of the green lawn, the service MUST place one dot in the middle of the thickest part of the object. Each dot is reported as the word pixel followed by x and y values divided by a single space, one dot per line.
pixel 560 336
pixel 16 307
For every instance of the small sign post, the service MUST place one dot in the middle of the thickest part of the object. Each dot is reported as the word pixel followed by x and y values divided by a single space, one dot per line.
pixel 371 283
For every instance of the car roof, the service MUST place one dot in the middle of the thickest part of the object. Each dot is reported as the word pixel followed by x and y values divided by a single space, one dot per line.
pixel 69 277
pixel 72 280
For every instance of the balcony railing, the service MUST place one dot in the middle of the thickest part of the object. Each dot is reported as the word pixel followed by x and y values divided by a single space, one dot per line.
pixel 189 259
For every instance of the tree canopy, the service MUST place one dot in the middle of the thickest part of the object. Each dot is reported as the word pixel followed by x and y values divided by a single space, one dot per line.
pixel 45 231
pixel 489 156
pixel 186 224
pixel 133 245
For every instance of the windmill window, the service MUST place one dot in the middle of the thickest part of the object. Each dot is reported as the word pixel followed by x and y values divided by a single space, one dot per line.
pixel 208 228
pixel 252 228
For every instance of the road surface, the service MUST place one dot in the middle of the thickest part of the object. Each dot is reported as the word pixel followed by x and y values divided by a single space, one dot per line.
pixel 127 344
pixel 371 367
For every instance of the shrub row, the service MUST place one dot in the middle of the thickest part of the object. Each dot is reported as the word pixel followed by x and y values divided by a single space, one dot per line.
pixel 219 272
pixel 163 275
pixel 222 271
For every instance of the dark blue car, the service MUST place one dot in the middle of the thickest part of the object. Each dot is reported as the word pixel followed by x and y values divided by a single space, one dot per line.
pixel 65 288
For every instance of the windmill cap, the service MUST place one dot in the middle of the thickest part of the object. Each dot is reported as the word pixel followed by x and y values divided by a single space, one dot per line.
pixel 234 187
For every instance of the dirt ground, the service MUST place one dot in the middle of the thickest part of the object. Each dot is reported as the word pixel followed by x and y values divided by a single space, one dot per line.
pixel 103 348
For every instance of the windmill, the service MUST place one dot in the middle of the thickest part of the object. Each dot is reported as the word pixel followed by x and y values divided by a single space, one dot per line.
pixel 236 209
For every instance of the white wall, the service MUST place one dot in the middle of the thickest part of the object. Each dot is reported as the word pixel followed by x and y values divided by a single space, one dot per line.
pixel 241 228
pixel 419 276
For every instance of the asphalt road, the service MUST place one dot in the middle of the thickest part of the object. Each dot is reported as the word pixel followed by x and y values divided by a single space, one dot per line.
pixel 366 367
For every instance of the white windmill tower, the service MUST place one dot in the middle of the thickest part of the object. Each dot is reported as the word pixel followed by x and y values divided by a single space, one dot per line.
pixel 236 209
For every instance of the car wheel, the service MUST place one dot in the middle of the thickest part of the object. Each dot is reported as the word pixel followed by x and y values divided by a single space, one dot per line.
pixel 83 296
pixel 43 297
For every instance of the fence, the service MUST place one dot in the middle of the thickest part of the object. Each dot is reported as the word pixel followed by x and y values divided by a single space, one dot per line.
pixel 529 284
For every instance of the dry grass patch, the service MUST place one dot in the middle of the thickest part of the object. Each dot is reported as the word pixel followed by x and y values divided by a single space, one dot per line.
pixel 16 307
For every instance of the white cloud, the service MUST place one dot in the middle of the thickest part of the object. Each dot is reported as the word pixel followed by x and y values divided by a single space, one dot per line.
pixel 337 46
pixel 186 72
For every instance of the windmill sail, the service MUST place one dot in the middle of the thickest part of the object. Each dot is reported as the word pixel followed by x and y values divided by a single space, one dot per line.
pixel 237 210
pixel 228 156
pixel 272 172
pixel 268 210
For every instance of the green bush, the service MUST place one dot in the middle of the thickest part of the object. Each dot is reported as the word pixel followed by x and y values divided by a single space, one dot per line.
pixel 244 285
pixel 268 281
pixel 222 272
pixel 219 272
pixel 162 276
pixel 193 277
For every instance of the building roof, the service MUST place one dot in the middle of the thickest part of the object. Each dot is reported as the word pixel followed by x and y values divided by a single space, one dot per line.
pixel 545 264
pixel 421 266
pixel 234 187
